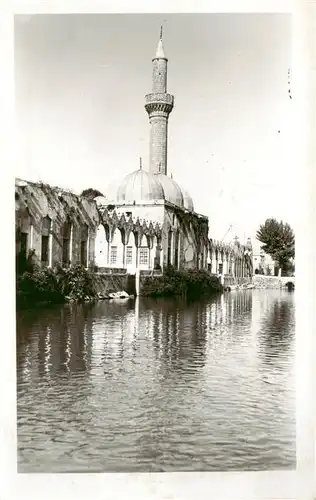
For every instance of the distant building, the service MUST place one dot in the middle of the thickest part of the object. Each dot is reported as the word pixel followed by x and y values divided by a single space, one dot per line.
pixel 263 263
pixel 231 259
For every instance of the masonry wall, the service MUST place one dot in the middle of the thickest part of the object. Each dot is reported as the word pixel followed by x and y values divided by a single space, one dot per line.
pixel 189 255
pixel 269 282
pixel 34 202
pixel 109 283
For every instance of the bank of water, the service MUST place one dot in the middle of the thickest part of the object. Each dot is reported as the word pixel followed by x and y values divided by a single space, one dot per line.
pixel 158 385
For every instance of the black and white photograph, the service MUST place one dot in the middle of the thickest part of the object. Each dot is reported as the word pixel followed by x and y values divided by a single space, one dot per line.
pixel 155 238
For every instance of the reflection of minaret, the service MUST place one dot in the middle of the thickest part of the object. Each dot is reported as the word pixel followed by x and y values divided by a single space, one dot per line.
pixel 159 105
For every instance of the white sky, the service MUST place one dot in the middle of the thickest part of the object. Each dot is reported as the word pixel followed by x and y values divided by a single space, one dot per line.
pixel 80 86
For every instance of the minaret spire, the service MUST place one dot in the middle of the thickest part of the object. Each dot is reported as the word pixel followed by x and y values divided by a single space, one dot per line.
pixel 160 53
pixel 159 105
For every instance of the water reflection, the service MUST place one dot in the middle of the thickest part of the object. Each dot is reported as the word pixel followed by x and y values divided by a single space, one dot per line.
pixel 158 385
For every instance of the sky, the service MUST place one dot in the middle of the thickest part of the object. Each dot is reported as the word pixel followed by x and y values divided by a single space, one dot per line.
pixel 80 87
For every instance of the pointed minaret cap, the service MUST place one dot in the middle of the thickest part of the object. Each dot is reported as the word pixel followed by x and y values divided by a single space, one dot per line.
pixel 160 53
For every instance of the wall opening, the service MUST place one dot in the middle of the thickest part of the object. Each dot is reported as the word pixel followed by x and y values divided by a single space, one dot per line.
pixel 176 250
pixel 84 245
pixel 66 236
pixel 169 247
pixel 46 228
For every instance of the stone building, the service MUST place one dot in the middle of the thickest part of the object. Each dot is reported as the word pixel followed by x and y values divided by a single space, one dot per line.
pixel 149 223
pixel 178 236
pixel 263 263
pixel 231 259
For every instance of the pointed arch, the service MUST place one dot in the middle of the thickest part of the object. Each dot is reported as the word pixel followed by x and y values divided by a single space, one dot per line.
pixel 66 232
pixel 130 252
pixel 143 253
pixel 46 241
pixel 101 247
pixel 176 249
pixel 84 238
pixel 116 249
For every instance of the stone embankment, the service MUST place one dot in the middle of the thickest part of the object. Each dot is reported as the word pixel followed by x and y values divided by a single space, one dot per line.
pixel 271 282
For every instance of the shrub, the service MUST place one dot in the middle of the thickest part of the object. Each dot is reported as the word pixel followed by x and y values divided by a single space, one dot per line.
pixel 54 286
pixel 191 284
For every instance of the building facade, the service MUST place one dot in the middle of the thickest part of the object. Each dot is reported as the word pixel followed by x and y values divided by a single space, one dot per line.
pixel 231 259
pixel 149 223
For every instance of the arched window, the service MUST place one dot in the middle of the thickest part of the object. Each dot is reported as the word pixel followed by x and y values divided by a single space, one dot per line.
pixel 176 250
pixel 66 240
pixel 101 247
pixel 116 249
pixel 143 253
pixel 156 253
pixel 84 245
pixel 45 248
pixel 130 250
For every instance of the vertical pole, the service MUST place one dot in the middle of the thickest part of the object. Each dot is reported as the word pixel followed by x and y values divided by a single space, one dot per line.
pixel 50 246
pixel 88 252
pixel 123 258
pixel 31 236
pixel 70 244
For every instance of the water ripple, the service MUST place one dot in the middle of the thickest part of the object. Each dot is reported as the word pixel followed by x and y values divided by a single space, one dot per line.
pixel 158 386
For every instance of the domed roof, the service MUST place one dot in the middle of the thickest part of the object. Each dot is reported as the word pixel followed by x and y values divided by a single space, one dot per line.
pixel 172 191
pixel 140 186
pixel 187 201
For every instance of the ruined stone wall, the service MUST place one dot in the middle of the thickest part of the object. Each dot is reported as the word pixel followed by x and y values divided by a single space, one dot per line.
pixel 34 202
pixel 193 238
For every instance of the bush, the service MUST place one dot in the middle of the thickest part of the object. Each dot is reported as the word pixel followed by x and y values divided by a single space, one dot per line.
pixel 54 286
pixel 191 284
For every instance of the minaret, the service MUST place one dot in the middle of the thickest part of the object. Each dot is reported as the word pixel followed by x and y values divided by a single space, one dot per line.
pixel 159 105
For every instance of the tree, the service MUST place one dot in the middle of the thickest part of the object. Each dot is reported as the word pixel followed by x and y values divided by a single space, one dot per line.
pixel 91 193
pixel 278 241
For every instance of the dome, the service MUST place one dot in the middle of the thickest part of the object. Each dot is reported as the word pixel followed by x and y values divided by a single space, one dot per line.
pixel 139 186
pixel 187 201
pixel 172 191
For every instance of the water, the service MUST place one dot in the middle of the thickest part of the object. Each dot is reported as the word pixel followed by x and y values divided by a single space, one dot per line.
pixel 158 385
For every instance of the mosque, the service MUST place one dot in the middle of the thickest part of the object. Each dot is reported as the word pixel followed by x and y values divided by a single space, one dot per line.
pixel 148 224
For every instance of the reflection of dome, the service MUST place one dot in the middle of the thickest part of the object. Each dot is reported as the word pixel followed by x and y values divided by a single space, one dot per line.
pixel 139 186
pixel 187 200
pixel 171 189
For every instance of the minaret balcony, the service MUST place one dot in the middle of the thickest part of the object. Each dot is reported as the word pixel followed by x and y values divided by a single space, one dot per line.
pixel 159 102
pixel 159 97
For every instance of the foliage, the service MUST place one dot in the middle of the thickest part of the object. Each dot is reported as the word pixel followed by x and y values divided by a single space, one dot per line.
pixel 191 284
pixel 91 193
pixel 54 286
pixel 24 263
pixel 278 241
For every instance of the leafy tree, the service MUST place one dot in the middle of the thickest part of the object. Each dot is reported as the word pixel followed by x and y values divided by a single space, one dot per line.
pixel 278 241
pixel 91 193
